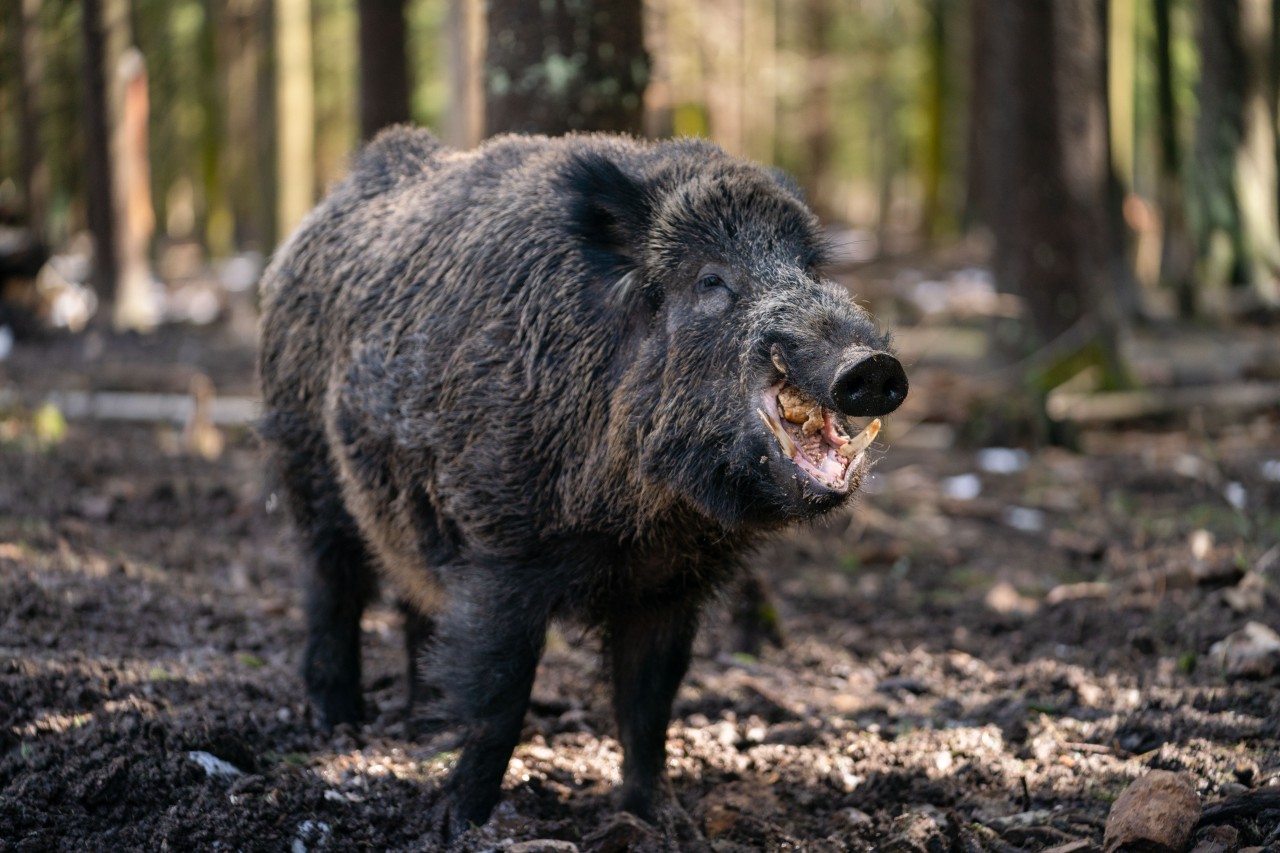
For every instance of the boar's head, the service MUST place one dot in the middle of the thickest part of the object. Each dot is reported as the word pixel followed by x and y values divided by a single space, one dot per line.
pixel 748 385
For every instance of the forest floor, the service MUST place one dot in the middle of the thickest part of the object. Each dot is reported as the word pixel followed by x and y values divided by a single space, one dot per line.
pixel 981 654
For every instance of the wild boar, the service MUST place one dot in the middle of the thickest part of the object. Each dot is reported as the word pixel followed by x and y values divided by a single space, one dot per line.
pixel 568 378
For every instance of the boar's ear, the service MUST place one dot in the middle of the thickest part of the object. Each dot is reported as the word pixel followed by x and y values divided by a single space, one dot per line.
pixel 610 212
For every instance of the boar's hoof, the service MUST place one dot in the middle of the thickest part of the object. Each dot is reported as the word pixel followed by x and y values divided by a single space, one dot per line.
pixel 876 385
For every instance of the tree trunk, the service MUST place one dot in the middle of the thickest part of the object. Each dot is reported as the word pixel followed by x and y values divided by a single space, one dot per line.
pixel 34 166
pixel 295 113
pixel 977 149
pixel 814 172
pixel 465 46
pixel 1177 256
pixel 565 65
pixel 100 207
pixel 1219 131
pixel 1256 159
pixel 267 131
pixel 1047 175
pixel 384 65
pixel 936 100
pixel 134 308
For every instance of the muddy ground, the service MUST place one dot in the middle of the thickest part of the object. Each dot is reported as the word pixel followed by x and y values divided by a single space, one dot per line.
pixel 976 657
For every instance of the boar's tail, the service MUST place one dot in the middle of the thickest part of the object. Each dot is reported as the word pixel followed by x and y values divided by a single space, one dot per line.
pixel 398 152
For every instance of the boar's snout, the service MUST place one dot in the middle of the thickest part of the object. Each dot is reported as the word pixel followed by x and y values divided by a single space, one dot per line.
pixel 875 384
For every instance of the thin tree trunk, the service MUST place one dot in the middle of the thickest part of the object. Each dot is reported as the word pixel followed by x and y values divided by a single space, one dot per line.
pixel 1219 131
pixel 465 47
pixel 936 99
pixel 35 168
pixel 266 133
pixel 1256 158
pixel 977 147
pixel 819 142
pixel 295 113
pixel 134 308
pixel 1177 254
pixel 384 65
pixel 1121 23
pixel 100 206
pixel 218 219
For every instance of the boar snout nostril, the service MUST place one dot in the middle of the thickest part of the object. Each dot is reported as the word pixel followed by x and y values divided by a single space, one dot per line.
pixel 876 385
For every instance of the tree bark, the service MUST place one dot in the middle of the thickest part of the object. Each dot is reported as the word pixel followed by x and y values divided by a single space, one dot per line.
pixel 34 166
pixel 564 65
pixel 465 28
pixel 100 207
pixel 1177 255
pixel 1046 180
pixel 1219 131
pixel 384 65
pixel 295 113
pixel 936 100
pixel 1256 158
pixel 134 308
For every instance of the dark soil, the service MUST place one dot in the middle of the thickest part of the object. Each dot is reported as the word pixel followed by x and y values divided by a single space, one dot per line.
pixel 958 674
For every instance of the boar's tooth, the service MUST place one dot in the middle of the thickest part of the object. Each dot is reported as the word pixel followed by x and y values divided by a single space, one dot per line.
pixel 775 355
pixel 788 446
pixel 861 441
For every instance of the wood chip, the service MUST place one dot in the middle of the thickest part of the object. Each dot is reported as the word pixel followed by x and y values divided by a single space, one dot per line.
pixel 1155 814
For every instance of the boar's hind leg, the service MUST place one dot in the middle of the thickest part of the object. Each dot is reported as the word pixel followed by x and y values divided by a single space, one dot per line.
pixel 650 651
pixel 339 586
pixel 340 580
pixel 483 658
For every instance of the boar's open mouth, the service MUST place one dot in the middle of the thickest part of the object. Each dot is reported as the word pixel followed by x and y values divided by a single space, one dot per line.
pixel 810 436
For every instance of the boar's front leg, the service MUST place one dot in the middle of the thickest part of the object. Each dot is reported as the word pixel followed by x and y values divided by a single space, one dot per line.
pixel 483 657
pixel 650 647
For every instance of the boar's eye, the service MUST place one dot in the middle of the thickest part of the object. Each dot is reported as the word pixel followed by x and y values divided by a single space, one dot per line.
pixel 714 291
pixel 711 281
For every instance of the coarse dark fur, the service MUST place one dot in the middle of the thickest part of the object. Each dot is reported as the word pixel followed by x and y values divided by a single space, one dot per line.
pixel 522 383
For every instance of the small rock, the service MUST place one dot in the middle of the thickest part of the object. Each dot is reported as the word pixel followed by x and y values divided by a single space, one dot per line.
pixel 1251 652
pixel 1004 598
pixel 619 834
pixel 1217 839
pixel 854 818
pixel 1156 813
pixel 1249 595
pixel 212 765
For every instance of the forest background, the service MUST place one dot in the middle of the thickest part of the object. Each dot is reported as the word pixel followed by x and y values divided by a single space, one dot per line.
pixel 1123 154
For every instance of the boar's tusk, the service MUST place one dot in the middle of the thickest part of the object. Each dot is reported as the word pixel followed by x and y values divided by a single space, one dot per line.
pixel 861 441
pixel 788 446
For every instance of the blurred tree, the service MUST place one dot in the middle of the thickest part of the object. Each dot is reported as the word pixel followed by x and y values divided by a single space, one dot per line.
pixel 218 219
pixel 384 67
pixel 295 113
pixel 1219 131
pixel 98 49
pixel 465 48
pixel 1046 171
pixel 814 168
pixel 29 57
pixel 1177 252
pixel 565 65
pixel 1256 158
pixel 937 99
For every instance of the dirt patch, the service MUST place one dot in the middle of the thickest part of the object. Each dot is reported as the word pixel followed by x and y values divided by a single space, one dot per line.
pixel 974 659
